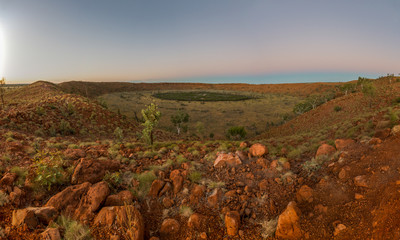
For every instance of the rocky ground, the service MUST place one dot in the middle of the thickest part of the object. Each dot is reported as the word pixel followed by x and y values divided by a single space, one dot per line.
pixel 109 186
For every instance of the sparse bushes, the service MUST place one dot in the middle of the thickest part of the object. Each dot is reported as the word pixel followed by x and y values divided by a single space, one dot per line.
pixel 145 180
pixel 236 133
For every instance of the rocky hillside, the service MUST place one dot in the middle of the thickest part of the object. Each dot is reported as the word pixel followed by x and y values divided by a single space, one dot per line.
pixel 300 185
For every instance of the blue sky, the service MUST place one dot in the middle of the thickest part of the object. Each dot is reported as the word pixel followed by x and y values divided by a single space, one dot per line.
pixel 103 40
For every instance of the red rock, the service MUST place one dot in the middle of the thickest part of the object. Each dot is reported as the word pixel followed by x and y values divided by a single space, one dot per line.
pixel 342 174
pixel 167 202
pixel 197 194
pixel 7 181
pixel 395 130
pixel 232 222
pixel 382 134
pixel 305 194
pixel 51 234
pixel 16 196
pixel 227 159
pixel 241 155
pixel 244 144
pixel 69 197
pixel 126 217
pixel 214 199
pixel 177 181
pixel 258 150
pixel 262 162
pixel 230 193
pixel 93 171
pixel 325 149
pixel 74 154
pixel 361 181
pixel 156 187
pixel 119 199
pixel 374 141
pixel 339 228
pixel 288 223
pixel 92 201
pixel 196 221
pixel 273 165
pixel 24 216
pixel 169 227
pixel 263 185
pixel 165 189
pixel 321 208
pixel 343 143
pixel 45 214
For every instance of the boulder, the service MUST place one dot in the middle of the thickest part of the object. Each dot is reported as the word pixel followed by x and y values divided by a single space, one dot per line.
pixel 227 159
pixel 197 194
pixel 361 181
pixel 325 149
pixel 126 217
pixel 339 228
pixel 288 223
pixel 92 201
pixel 214 199
pixel 395 130
pixel 177 180
pixel 341 144
pixel 24 216
pixel 232 222
pixel 169 227
pixel 16 196
pixel 196 221
pixel 51 234
pixel 258 150
pixel 74 154
pixel 305 194
pixel 68 199
pixel 156 187
pixel 93 171
pixel 7 181
pixel 45 214
pixel 119 199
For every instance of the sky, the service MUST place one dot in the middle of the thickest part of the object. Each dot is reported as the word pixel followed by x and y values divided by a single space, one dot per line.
pixel 141 40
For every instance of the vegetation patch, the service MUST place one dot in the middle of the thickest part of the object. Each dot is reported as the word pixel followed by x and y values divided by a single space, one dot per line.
pixel 201 96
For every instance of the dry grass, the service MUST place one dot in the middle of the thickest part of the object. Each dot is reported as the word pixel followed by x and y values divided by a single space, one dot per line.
pixel 216 116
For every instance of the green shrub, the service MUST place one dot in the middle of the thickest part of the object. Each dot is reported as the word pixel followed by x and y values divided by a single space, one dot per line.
pixel 113 179
pixel 49 170
pixel 195 176
pixel 145 180
pixel 337 108
pixel 236 133
pixel 73 230
pixel 118 134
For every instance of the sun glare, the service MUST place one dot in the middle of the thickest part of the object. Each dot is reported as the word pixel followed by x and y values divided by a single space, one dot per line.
pixel 2 52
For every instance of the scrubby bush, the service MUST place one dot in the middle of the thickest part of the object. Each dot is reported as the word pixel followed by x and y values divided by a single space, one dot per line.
pixel 337 108
pixel 236 133
pixel 49 170
pixel 72 229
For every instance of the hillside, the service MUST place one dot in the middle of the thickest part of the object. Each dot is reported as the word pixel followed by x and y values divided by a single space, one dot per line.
pixel 325 174
pixel 94 89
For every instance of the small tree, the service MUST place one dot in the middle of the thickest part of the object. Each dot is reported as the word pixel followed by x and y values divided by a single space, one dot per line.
pixel 200 129
pixel 2 84
pixel 179 119
pixel 151 116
